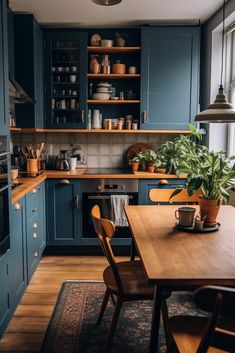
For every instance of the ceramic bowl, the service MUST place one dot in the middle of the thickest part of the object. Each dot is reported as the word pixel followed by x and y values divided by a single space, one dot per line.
pixel 106 43
pixel 102 89
pixel 100 96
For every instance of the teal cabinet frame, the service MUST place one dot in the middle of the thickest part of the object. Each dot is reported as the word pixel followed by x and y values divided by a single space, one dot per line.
pixel 170 77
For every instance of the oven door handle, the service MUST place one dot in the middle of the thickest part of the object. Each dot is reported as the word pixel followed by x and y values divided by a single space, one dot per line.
pixel 104 197
pixel 6 187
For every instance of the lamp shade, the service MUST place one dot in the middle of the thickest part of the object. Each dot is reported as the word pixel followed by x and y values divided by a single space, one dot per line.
pixel 218 112
pixel 106 2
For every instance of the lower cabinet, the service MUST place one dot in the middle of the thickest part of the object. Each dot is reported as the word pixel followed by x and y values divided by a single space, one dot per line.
pixel 5 300
pixel 27 242
pixel 146 185
pixel 63 200
pixel 18 273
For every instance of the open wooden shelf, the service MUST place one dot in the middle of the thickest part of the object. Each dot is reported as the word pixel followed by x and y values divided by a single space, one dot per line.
pixel 113 76
pixel 112 50
pixel 111 101
pixel 95 131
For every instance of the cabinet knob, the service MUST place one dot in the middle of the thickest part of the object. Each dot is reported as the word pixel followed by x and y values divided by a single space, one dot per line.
pixel 34 209
pixel 35 254
pixel 34 191
pixel 35 235
pixel 163 182
pixel 64 181
pixel 39 188
pixel 35 225
pixel 17 206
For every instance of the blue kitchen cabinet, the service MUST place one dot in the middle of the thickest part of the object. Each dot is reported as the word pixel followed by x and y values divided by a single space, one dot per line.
pixel 28 50
pixel 35 227
pixel 18 251
pixel 170 77
pixel 63 201
pixel 65 79
pixel 146 185
pixel 4 99
pixel 5 303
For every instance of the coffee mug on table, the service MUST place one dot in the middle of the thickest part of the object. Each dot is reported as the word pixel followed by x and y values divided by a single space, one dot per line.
pixel 185 215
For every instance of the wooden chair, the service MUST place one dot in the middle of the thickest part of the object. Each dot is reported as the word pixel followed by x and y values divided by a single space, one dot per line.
pixel 163 195
pixel 213 334
pixel 125 280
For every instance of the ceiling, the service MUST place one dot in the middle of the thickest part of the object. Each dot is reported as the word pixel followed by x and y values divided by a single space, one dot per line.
pixel 128 13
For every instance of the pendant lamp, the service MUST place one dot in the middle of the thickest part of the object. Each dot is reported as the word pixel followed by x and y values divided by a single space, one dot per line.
pixel 220 111
pixel 106 2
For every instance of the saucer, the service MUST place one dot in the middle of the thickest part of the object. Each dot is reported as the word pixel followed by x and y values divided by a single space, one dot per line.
pixel 194 230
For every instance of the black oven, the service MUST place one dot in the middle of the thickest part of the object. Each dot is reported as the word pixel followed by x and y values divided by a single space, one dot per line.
pixel 98 192
pixel 4 196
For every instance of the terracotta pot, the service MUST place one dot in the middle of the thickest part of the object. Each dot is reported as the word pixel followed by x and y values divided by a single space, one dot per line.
pixel 135 166
pixel 210 209
pixel 151 169
pixel 149 164
pixel 160 170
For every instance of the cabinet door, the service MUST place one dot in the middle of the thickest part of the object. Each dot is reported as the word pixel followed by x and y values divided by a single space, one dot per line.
pixel 4 96
pixel 18 251
pixel 42 218
pixel 65 73
pixel 146 185
pixel 5 309
pixel 63 211
pixel 29 54
pixel 170 77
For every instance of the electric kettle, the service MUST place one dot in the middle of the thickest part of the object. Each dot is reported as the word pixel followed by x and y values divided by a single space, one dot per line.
pixel 61 163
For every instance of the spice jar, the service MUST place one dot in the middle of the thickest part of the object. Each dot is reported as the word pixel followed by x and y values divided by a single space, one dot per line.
pixel 120 123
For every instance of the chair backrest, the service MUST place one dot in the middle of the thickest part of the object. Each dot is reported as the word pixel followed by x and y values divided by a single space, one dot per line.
pixel 220 302
pixel 163 195
pixel 105 229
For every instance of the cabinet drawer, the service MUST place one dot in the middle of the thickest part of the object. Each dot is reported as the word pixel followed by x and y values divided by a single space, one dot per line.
pixel 33 199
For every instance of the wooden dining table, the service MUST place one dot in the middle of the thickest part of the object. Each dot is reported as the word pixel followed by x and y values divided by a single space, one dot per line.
pixel 181 260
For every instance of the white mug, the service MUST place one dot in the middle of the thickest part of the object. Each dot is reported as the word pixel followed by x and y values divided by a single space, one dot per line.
pixel 74 68
pixel 132 69
pixel 72 78
pixel 73 163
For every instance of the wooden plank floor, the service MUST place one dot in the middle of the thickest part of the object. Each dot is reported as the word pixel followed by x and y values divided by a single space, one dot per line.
pixel 27 327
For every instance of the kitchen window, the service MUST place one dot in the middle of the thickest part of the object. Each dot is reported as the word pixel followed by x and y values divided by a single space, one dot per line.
pixel 230 82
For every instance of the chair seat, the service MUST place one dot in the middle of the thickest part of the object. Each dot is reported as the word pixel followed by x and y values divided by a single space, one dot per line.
pixel 134 280
pixel 187 332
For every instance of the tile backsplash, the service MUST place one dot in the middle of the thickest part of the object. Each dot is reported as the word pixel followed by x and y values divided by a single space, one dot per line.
pixel 101 150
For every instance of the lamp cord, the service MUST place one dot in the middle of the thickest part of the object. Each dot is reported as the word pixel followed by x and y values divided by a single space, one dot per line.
pixel 222 59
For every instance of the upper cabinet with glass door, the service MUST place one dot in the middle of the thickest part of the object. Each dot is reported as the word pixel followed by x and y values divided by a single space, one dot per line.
pixel 65 70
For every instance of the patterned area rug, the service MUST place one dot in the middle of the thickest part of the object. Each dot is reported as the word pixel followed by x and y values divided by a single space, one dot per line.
pixel 72 327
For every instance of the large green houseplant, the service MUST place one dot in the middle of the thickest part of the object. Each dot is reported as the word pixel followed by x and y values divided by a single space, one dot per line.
pixel 211 172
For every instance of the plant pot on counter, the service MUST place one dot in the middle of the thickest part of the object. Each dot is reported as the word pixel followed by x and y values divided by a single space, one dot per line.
pixel 151 169
pixel 209 209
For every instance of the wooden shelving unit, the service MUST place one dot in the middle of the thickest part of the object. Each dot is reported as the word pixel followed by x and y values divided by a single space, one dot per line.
pixel 97 131
pixel 113 50
pixel 112 76
pixel 111 101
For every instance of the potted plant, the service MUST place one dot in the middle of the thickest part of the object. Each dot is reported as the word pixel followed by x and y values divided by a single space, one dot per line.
pixel 160 164
pixel 172 152
pixel 134 163
pixel 149 157
pixel 211 172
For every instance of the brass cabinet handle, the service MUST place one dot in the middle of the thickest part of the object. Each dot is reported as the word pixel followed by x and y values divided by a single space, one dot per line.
pixel 35 235
pixel 17 206
pixel 77 201
pixel 35 225
pixel 145 116
pixel 163 182
pixel 82 116
pixel 34 209
pixel 64 181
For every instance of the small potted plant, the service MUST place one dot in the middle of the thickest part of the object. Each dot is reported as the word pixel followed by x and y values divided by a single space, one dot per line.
pixel 134 163
pixel 160 164
pixel 149 157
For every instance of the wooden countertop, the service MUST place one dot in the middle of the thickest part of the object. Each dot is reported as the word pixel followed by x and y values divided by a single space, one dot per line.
pixel 29 183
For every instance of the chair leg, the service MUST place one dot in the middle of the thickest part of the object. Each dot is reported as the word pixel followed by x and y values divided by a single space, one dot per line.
pixel 165 317
pixel 103 306
pixel 116 313
pixel 133 250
